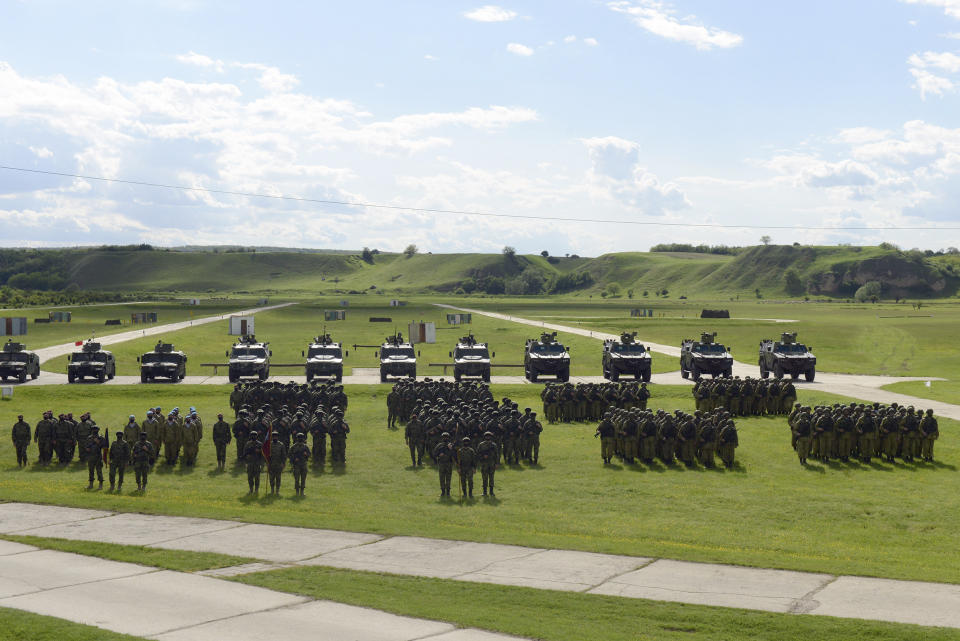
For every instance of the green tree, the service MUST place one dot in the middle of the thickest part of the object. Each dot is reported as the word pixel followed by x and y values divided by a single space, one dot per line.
pixel 870 291
pixel 792 282
pixel 410 251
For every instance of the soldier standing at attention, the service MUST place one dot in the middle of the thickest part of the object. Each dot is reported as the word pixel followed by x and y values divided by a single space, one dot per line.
pixel 170 434
pixel 466 466
pixel 253 457
pixel 43 437
pixel 318 431
pixel 221 438
pixel 143 455
pixel 95 449
pixel 276 463
pixel 443 454
pixel 866 435
pixel 532 431
pixel 21 439
pixel 393 409
pixel 802 431
pixel 488 454
pixel 190 438
pixel 119 457
pixel 152 427
pixel 929 432
pixel 414 436
pixel 338 430
pixel 607 433
pixel 236 400
pixel 728 443
pixel 82 433
pixel 241 430
pixel 64 440
pixel 131 431
pixel 299 456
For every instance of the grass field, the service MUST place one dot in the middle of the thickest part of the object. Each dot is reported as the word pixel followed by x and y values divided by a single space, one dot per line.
pixel 564 616
pixel 88 320
pixel 888 520
pixel 290 329
pixel 945 391
pixel 17 625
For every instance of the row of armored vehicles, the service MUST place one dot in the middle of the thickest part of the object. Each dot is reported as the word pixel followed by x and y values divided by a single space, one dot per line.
pixel 543 356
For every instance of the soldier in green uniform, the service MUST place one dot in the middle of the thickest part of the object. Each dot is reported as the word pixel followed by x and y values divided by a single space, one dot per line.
pixel 43 437
pixel 221 439
pixel 607 433
pixel 707 444
pixel 170 435
pixel 909 435
pixel 667 439
pixel 21 439
pixel 844 429
pixel 415 438
pixel 64 440
pixel 889 434
pixel 727 443
pixel 241 431
pixel 276 462
pixel 866 429
pixel 236 400
pixel 299 456
pixel 119 457
pixel 94 449
pixel 338 430
pixel 143 455
pixel 488 454
pixel 393 408
pixel 318 431
pixel 153 427
pixel 802 431
pixel 131 431
pixel 929 432
pixel 190 439
pixel 443 454
pixel 647 448
pixel 253 457
pixel 466 466
pixel 531 432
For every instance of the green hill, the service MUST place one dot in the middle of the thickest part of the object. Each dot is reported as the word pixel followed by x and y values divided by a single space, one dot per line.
pixel 776 271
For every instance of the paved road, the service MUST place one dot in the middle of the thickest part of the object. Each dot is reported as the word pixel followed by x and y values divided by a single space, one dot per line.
pixel 853 385
pixel 933 604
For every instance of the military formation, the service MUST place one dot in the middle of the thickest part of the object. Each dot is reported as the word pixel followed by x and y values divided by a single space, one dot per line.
pixel 460 425
pixel 745 397
pixel 644 435
pixel 862 432
pixel 569 403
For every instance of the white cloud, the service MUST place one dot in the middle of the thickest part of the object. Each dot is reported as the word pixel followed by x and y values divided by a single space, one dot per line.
pixel 860 135
pixel 590 42
pixel 950 7
pixel 659 19
pixel 200 60
pixel 41 152
pixel 429 57
pixel 952 36
pixel 519 49
pixel 945 61
pixel 490 13
pixel 570 39
pixel 271 78
pixel 615 173
pixel 928 83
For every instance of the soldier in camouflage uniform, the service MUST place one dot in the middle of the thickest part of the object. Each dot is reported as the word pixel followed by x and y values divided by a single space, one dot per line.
pixel 64 440
pixel 487 455
pixel 299 456
pixel 466 466
pixel 119 457
pixel 94 449
pixel 444 455
pixel 276 462
pixel 143 455
pixel 21 439
pixel 416 440
pixel 929 432
pixel 43 435
pixel 221 439
pixel 253 457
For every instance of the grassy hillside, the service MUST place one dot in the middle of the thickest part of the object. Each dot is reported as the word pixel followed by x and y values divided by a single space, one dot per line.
pixel 776 271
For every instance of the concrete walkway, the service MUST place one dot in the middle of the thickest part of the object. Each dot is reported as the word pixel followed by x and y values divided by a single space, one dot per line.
pixel 932 604
pixel 859 386
pixel 175 606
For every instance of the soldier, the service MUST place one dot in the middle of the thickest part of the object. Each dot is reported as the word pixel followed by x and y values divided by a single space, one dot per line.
pixel 607 433
pixel 866 428
pixel 647 448
pixel 131 431
pixel 170 435
pixel 844 429
pixel 393 408
pixel 241 431
pixel 190 439
pixel 488 453
pixel 707 444
pixel 64 440
pixel 95 450
pixel 889 435
pixel 43 437
pixel 443 454
pixel 802 431
pixel 221 439
pixel 21 439
pixel 687 440
pixel 415 440
pixel 466 466
pixel 531 431
pixel 153 427
pixel 667 439
pixel 119 457
pixel 82 433
pixel 276 461
pixel 318 430
pixel 728 442
pixel 338 430
pixel 929 432
pixel 299 455
pixel 143 455
pixel 253 457
pixel 236 400
pixel 909 435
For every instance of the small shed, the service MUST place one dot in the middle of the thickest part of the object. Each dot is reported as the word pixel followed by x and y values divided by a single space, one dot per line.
pixel 397 303
pixel 241 325
pixel 13 326
pixel 641 313
pixel 334 314
pixel 193 301
pixel 459 319
pixel 60 317
pixel 422 332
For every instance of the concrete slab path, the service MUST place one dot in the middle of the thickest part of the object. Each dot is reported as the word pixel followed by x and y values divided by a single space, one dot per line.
pixel 175 606
pixel 853 385
pixel 632 577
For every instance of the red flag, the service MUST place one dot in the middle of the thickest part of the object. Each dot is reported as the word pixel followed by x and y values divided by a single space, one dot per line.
pixel 78 343
pixel 266 442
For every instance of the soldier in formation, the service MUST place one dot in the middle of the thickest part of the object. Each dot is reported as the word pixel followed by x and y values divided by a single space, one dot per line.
pixel 568 403
pixel 21 440
pixel 119 457
pixel 275 395
pixel 406 396
pixel 95 451
pixel 647 435
pixel 221 439
pixel 276 458
pixel 299 456
pixel 745 397
pixel 143 455
pixel 862 432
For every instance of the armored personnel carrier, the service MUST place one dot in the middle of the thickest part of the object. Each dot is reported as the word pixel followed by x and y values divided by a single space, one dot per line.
pixel 91 360
pixel 625 356
pixel 163 362
pixel 249 358
pixel 471 358
pixel 397 358
pixel 324 358
pixel 705 356
pixel 787 356
pixel 16 362
pixel 546 355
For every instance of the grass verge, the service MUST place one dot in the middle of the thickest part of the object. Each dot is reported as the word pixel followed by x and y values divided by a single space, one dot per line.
pixel 17 625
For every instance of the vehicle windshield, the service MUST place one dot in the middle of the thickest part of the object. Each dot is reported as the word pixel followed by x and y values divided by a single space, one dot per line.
pixel 794 348
pixel 397 352
pixel 14 358
pixel 629 348
pixel 549 348
pixel 160 358
pixel 710 348
pixel 471 352
pixel 257 352
pixel 80 357
pixel 324 351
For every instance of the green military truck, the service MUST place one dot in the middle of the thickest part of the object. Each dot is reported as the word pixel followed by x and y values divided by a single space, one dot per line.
pixel 163 362
pixel 626 357
pixel 705 356
pixel 324 358
pixel 471 358
pixel 546 356
pixel 16 362
pixel 92 360
pixel 787 357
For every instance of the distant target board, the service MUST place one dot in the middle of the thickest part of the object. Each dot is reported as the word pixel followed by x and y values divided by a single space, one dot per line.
pixel 143 317
pixel 459 319
pixel 641 313
pixel 60 317
pixel 335 315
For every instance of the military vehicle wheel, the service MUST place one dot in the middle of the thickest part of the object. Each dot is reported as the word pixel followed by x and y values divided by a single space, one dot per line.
pixel 101 377
pixel 232 377
pixel 413 375
pixel 695 373
pixel 486 376
pixel 794 375
pixel 564 376
pixel 112 374
pixel 614 376
pixel 728 373
pixel 457 375
pixel 339 376
pixel 22 377
pixel 532 377
pixel 309 377
pixel 684 373
pixel 144 378
pixel 646 377
pixel 383 377
pixel 263 375
pixel 778 370
pixel 69 377
pixel 35 376
pixel 810 375
pixel 764 372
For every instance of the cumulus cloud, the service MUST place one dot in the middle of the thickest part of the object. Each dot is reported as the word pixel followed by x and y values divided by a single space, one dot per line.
pixel 944 61
pixel 615 173
pixel 41 152
pixel 928 83
pixel 950 7
pixel 490 13
pixel 570 39
pixel 519 49
pixel 271 78
pixel 660 19
pixel 590 42
pixel 200 60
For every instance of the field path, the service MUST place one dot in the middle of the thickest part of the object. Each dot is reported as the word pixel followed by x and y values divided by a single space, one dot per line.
pixel 859 386
pixel 43 579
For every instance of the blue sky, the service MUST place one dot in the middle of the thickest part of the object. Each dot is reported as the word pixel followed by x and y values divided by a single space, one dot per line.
pixel 814 114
